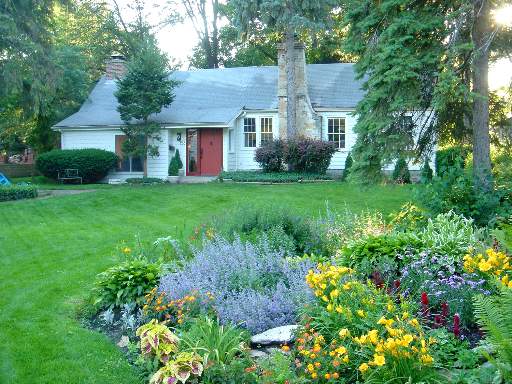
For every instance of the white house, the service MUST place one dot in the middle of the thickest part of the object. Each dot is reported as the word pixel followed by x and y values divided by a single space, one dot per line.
pixel 220 116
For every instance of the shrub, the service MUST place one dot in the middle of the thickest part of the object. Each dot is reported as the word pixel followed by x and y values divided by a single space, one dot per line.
pixel 309 155
pixel 454 191
pixel 270 156
pixel 92 164
pixel 354 331
pixel 176 164
pixel 449 158
pixel 252 285
pixel 126 283
pixel 367 254
pixel 280 225
pixel 401 174
pixel 426 173
pixel 17 192
pixel 502 168
pixel 348 164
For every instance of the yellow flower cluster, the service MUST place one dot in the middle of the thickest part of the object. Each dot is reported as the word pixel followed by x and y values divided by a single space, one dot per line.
pixel 492 263
pixel 326 279
pixel 363 342
pixel 395 342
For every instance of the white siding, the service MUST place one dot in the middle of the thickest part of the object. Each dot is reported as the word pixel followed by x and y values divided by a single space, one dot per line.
pixel 158 166
pixel 232 150
pixel 101 139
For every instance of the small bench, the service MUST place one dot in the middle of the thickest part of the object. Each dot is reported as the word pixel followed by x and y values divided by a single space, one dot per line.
pixel 68 175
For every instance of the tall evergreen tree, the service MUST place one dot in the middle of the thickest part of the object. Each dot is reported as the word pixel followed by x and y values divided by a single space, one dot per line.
pixel 144 91
pixel 428 57
pixel 287 17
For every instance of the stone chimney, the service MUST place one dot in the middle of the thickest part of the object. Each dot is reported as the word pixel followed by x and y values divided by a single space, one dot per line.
pixel 307 121
pixel 115 67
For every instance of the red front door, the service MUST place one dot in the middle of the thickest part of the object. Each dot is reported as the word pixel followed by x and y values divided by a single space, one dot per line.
pixel 204 151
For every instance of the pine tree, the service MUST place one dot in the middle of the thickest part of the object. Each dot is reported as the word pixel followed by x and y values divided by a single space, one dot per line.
pixel 144 91
pixel 426 173
pixel 348 165
pixel 426 57
pixel 176 164
pixel 401 174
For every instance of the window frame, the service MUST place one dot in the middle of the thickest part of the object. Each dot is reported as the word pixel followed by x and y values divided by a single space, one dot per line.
pixel 245 134
pixel 341 135
pixel 271 126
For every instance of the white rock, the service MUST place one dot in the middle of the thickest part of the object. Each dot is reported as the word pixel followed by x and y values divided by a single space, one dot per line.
pixel 257 354
pixel 279 335
pixel 123 342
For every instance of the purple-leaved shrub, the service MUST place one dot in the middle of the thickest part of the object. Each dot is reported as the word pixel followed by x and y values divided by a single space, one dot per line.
pixel 253 285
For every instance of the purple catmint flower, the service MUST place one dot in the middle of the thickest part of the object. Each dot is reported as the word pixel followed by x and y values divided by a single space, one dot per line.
pixel 253 286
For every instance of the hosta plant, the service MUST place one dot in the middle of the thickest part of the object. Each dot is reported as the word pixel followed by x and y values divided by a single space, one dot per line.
pixel 450 234
pixel 126 283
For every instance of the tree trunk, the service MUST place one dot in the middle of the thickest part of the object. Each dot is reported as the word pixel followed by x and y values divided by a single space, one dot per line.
pixel 291 89
pixel 481 143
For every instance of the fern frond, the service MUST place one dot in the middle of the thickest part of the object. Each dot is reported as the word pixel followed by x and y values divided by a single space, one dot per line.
pixel 494 315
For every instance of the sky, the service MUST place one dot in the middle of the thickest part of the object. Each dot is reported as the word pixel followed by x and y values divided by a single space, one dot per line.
pixel 179 40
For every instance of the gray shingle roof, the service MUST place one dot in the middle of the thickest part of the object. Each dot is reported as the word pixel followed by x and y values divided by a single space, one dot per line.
pixel 215 96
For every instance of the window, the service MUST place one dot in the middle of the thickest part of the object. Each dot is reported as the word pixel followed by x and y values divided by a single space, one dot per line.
pixel 250 132
pixel 336 131
pixel 266 130
pixel 127 163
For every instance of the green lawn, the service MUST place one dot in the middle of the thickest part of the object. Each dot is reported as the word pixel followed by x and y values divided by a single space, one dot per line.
pixel 51 249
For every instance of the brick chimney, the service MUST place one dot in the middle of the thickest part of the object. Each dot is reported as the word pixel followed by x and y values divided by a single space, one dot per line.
pixel 115 67
pixel 307 121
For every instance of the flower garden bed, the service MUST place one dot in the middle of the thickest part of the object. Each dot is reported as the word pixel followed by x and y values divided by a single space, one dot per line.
pixel 373 301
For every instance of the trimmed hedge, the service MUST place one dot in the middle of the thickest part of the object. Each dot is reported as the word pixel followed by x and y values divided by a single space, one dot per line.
pixel 144 180
pixel 17 192
pixel 275 177
pixel 92 164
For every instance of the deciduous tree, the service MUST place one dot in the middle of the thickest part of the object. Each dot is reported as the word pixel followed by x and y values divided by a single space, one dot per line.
pixel 143 92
